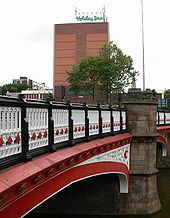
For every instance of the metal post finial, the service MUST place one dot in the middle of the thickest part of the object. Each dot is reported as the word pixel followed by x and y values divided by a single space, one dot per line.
pixel 143 47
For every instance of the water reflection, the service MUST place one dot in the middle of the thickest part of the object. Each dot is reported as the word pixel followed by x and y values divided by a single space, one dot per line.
pixel 164 193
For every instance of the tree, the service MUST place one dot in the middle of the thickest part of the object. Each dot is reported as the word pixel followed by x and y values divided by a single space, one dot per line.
pixel 167 96
pixel 117 71
pixel 49 96
pixel 109 72
pixel 85 76
pixel 14 87
pixel 167 93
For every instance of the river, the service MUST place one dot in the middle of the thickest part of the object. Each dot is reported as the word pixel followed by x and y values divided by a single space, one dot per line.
pixel 164 193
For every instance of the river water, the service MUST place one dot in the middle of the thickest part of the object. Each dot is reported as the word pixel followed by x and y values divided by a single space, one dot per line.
pixel 164 193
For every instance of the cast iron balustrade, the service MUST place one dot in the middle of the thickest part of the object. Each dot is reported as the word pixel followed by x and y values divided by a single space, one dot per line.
pixel 10 126
pixel 31 128
pixel 93 116
pixel 37 127
pixel 116 123
pixel 123 115
pixel 163 117
pixel 61 125
pixel 106 120
pixel 78 117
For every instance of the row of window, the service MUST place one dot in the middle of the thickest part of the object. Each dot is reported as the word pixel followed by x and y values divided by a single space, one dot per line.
pixel 34 96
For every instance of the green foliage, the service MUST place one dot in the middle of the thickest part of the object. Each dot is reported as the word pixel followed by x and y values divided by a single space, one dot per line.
pixel 49 96
pixel 117 72
pixel 14 88
pixel 167 95
pixel 109 72
pixel 84 77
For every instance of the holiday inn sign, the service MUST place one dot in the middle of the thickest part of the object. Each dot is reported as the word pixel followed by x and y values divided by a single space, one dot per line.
pixel 92 17
pixel 89 18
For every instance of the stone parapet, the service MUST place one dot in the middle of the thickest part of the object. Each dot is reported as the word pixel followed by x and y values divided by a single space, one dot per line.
pixel 142 111
pixel 136 96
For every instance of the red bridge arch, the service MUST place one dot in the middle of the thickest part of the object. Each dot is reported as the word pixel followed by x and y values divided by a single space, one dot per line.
pixel 29 184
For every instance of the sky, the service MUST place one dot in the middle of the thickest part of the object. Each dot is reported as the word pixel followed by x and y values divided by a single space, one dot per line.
pixel 27 30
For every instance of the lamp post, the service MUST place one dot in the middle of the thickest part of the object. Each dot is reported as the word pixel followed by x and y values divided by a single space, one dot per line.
pixel 143 48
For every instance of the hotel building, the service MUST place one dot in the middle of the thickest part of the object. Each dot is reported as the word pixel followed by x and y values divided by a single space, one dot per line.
pixel 72 43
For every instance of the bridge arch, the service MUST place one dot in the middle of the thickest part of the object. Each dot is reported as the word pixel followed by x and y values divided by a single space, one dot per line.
pixel 41 193
pixel 161 146
pixel 32 183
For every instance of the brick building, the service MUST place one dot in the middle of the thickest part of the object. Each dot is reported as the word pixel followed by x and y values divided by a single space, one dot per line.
pixel 73 42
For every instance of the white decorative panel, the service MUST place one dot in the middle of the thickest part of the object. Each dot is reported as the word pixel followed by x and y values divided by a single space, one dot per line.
pixel 10 131
pixel 116 120
pixel 106 127
pixel 78 117
pixel 93 116
pixel 120 155
pixel 37 127
pixel 61 126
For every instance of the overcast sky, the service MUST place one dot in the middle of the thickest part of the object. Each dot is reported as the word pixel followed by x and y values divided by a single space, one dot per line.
pixel 26 36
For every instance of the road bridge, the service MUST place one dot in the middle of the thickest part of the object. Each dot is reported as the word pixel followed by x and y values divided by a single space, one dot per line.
pixel 48 146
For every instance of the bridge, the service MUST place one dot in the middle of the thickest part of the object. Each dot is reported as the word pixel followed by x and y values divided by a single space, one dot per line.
pixel 48 146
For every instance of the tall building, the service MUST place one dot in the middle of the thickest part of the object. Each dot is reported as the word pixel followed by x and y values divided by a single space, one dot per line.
pixel 72 43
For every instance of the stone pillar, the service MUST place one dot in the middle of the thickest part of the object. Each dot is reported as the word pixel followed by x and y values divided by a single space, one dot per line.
pixel 143 197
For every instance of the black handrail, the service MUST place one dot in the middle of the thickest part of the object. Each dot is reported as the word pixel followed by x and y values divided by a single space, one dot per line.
pixel 115 123
pixel 24 106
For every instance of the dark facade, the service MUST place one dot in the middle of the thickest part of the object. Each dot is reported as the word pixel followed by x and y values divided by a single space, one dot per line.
pixel 72 43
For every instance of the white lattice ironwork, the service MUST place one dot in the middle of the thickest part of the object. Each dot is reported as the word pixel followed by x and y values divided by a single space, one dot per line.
pixel 167 115
pixel 78 117
pixel 161 117
pixel 123 120
pixel 10 131
pixel 61 125
pixel 119 155
pixel 106 126
pixel 93 116
pixel 116 120
pixel 37 127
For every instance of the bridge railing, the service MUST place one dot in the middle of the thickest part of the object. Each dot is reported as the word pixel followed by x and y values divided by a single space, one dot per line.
pixel 31 128
pixel 163 117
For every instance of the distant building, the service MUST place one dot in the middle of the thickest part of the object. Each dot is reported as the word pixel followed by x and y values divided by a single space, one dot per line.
pixel 23 80
pixel 32 94
pixel 162 100
pixel 31 83
pixel 161 92
pixel 36 90
pixel 39 94
pixel 72 43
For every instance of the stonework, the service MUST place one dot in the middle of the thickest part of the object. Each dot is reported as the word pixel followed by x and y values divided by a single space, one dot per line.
pixel 136 96
pixel 143 196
